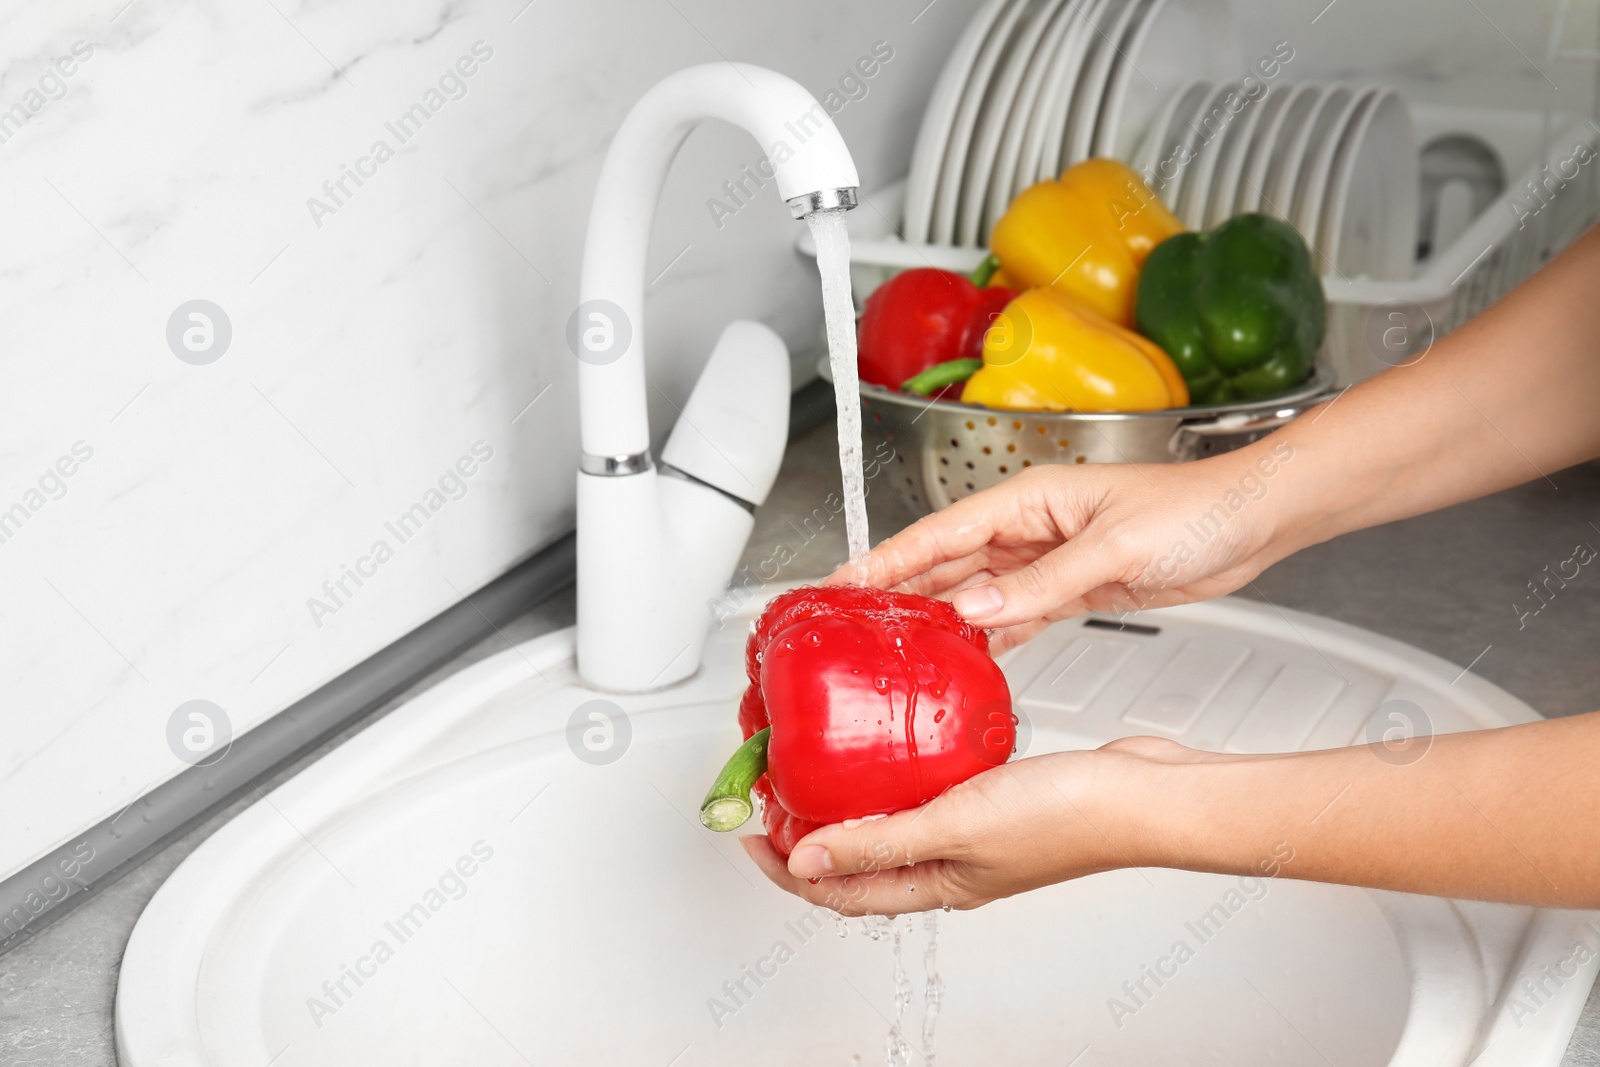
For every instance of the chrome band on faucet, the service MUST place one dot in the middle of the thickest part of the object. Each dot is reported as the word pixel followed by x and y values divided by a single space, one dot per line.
pixel 821 200
pixel 615 466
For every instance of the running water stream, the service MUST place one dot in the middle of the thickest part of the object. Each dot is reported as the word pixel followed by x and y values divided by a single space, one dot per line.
pixel 833 264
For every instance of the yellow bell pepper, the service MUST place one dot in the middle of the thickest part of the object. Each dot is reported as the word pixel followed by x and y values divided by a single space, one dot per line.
pixel 1137 213
pixel 1046 352
pixel 1085 234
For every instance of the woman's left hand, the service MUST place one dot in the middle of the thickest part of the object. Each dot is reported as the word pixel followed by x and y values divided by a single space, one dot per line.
pixel 1027 824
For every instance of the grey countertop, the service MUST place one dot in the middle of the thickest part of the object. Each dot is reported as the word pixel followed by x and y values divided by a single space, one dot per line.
pixel 1450 583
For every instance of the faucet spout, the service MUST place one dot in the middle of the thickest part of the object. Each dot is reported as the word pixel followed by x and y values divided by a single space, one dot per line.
pixel 811 165
pixel 657 544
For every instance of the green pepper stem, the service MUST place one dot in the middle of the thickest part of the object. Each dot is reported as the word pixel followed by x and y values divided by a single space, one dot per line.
pixel 985 271
pixel 727 805
pixel 940 375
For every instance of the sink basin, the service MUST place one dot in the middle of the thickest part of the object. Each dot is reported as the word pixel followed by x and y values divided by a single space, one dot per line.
pixel 493 875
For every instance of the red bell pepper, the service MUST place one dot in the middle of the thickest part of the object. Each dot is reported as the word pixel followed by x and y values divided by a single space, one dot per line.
pixel 924 317
pixel 860 702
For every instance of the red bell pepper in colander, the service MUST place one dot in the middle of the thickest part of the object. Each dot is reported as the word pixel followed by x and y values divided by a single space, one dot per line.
pixel 860 702
pixel 923 319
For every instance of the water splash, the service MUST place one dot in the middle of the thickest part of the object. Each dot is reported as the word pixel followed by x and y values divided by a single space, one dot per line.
pixel 897 1048
pixel 833 265
pixel 933 986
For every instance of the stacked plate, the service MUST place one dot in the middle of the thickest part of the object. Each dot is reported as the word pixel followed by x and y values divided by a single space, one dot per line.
pixel 1034 86
pixel 1339 162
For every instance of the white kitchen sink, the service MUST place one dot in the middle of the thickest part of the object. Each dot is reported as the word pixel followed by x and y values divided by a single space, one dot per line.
pixel 455 885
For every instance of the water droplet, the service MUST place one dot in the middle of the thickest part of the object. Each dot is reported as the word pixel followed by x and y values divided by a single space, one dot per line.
pixel 938 716
pixel 880 682
pixel 945 908
pixel 813 638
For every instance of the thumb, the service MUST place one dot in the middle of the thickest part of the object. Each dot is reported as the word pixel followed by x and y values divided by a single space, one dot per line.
pixel 1045 585
pixel 865 846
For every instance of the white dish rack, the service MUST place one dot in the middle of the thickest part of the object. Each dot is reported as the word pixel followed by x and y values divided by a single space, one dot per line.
pixel 1551 196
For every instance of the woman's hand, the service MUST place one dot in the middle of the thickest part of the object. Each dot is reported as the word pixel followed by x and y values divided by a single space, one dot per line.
pixel 1504 399
pixel 1056 541
pixel 1018 827
pixel 1509 814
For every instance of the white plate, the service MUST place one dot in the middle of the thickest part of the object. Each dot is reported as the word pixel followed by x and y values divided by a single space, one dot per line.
pixel 1152 148
pixel 927 156
pixel 1124 70
pixel 1173 42
pixel 1313 185
pixel 1224 185
pixel 1056 83
pixel 1063 85
pixel 947 196
pixel 1211 148
pixel 1258 151
pixel 1111 34
pixel 1298 143
pixel 1271 143
pixel 999 115
pixel 1012 172
pixel 1369 223
pixel 1187 137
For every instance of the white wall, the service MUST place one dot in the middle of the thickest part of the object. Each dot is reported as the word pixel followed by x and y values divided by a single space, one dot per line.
pixel 368 354
pixel 1488 52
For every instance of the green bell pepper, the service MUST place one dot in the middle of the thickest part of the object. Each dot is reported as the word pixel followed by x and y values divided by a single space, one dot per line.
pixel 1240 310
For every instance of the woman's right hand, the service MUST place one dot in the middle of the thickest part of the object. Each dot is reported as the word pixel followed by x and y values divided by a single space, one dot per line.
pixel 1055 541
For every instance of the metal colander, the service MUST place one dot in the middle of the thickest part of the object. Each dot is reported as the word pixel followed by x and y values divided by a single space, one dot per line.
pixel 945 450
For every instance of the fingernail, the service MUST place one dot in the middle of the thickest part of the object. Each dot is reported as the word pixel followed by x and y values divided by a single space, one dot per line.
pixel 813 861
pixel 977 603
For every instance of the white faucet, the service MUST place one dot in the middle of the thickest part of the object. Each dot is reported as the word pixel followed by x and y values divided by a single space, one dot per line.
pixel 658 543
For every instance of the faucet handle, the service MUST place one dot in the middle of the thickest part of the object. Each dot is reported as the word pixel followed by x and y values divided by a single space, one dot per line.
pixel 732 432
